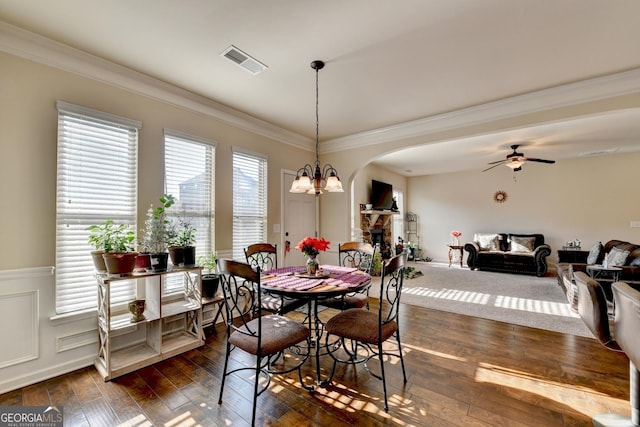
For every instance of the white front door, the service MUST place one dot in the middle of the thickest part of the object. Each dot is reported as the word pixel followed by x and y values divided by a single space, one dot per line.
pixel 299 221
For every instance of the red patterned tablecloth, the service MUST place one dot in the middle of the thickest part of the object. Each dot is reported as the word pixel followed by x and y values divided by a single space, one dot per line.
pixel 286 278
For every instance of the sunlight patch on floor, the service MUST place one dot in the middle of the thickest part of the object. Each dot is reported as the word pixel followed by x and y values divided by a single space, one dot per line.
pixel 449 294
pixel 433 352
pixel 500 301
pixel 139 421
pixel 184 420
pixel 535 306
pixel 547 389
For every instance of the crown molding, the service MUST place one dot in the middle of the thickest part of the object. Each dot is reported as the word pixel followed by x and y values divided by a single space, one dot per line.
pixel 31 46
pixel 576 93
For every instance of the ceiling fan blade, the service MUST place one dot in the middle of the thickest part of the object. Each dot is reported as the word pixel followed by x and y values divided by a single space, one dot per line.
pixel 491 167
pixel 529 159
pixel 499 161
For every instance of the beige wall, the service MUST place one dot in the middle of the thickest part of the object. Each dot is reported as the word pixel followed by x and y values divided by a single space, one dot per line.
pixel 592 199
pixel 589 198
pixel 28 119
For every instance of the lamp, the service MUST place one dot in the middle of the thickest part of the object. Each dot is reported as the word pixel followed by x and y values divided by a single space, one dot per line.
pixel 308 178
pixel 515 164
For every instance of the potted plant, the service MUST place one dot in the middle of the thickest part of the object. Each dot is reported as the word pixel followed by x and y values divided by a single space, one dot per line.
pixel 182 239
pixel 156 234
pixel 114 244
pixel 376 268
pixel 210 280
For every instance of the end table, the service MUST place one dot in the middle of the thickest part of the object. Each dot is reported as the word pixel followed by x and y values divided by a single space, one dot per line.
pixel 456 251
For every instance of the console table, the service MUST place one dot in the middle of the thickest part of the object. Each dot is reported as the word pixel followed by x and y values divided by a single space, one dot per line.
pixel 573 256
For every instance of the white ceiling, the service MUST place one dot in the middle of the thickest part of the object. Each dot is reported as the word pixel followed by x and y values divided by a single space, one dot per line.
pixel 387 62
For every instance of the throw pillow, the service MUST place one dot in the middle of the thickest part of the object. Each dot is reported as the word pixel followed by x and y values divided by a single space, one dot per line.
pixel 594 253
pixel 617 257
pixel 522 244
pixel 487 242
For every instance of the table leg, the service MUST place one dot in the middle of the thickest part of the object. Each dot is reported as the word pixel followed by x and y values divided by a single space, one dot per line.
pixel 450 257
pixel 318 333
pixel 461 255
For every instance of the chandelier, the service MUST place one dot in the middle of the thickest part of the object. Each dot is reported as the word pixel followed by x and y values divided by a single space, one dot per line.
pixel 309 179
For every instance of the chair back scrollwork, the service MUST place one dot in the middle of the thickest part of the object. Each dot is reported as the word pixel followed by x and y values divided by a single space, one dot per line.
pixel 240 285
pixel 356 254
pixel 263 256
pixel 391 289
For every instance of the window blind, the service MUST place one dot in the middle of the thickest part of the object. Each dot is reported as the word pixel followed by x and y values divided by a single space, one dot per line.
pixel 189 164
pixel 249 201
pixel 96 180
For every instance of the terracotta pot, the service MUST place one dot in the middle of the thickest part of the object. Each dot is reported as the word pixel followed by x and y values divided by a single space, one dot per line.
pixel 143 262
pixel 120 262
pixel 98 261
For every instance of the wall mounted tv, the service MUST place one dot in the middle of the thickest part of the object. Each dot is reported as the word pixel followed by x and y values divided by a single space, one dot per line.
pixel 381 195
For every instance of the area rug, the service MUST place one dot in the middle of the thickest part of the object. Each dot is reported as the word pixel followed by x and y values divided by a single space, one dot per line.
pixel 532 301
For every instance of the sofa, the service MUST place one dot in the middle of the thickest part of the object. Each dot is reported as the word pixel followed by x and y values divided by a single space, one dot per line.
pixel 618 252
pixel 508 252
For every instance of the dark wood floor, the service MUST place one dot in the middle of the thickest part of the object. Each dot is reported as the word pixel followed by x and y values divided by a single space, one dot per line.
pixel 461 371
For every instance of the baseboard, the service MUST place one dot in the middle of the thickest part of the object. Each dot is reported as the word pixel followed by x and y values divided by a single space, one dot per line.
pixel 15 383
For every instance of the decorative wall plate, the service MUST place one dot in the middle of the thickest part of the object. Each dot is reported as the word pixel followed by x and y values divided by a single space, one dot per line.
pixel 500 196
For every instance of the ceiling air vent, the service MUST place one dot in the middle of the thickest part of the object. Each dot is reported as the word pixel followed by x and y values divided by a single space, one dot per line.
pixel 243 60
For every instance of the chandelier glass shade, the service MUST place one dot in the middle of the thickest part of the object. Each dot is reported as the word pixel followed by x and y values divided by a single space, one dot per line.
pixel 309 179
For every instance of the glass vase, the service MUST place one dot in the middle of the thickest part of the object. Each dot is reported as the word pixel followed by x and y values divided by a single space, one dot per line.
pixel 312 265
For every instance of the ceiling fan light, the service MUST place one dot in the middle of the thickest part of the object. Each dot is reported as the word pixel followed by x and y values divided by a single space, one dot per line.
pixel 515 164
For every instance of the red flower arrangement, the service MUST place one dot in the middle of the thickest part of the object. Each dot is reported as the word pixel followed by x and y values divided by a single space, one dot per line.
pixel 456 233
pixel 312 245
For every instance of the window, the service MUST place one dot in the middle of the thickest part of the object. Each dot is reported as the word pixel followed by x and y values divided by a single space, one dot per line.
pixel 96 181
pixel 398 220
pixel 189 164
pixel 249 201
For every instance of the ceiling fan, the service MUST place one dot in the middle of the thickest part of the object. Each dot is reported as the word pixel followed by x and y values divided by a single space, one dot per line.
pixel 515 160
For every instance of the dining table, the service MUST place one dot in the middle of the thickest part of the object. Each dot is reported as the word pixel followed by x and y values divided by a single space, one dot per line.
pixel 330 281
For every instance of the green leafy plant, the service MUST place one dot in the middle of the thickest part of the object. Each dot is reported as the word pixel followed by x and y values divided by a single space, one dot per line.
pixel 377 264
pixel 111 237
pixel 208 262
pixel 182 233
pixel 157 231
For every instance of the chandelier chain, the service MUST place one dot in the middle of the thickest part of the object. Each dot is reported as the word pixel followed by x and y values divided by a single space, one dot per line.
pixel 317 121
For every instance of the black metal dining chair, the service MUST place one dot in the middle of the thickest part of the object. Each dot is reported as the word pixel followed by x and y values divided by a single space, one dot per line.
pixel 279 344
pixel 369 329
pixel 264 256
pixel 358 255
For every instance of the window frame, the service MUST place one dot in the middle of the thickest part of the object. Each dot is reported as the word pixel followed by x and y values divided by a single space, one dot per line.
pixel 193 149
pixel 244 217
pixel 84 136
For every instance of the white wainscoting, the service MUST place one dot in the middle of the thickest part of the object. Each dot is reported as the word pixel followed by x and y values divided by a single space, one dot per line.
pixel 19 312
pixel 35 345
